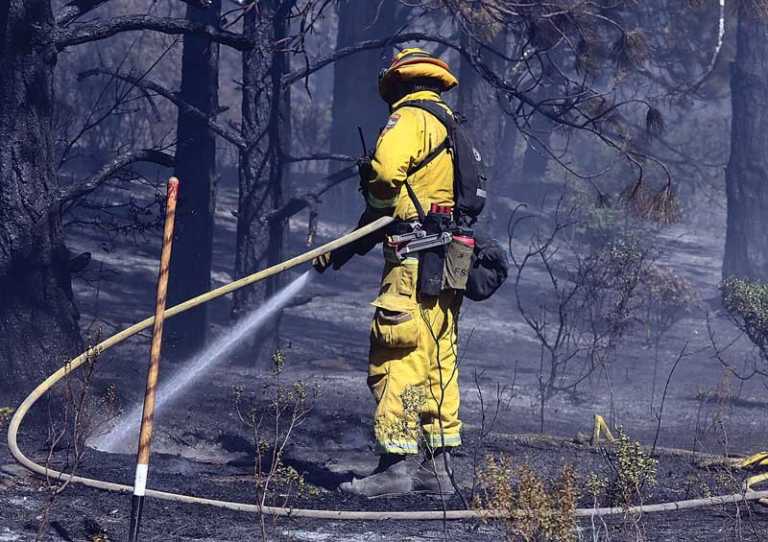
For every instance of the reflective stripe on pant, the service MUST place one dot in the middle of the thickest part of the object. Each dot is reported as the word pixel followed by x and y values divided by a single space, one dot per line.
pixel 412 370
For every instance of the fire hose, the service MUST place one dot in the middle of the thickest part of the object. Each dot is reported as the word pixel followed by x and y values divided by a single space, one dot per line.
pixel 435 515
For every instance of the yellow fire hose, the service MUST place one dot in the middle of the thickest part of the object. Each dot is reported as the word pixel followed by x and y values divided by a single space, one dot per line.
pixel 436 515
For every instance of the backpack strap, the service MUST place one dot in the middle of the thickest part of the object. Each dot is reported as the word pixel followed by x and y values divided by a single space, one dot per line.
pixel 428 158
pixel 415 201
pixel 436 109
pixel 447 120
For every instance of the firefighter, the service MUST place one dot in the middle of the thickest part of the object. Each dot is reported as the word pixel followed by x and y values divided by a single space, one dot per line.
pixel 412 371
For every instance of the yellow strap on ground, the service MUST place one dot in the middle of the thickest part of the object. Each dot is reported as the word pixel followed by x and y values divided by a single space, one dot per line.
pixel 752 480
pixel 760 459
pixel 601 426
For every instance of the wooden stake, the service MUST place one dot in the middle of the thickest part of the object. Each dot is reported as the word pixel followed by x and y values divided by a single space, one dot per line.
pixel 145 434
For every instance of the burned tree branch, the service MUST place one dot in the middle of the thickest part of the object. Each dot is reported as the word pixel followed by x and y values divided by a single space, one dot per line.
pixel 100 30
pixel 75 9
pixel 142 83
pixel 555 110
pixel 344 52
pixel 308 199
pixel 198 3
pixel 107 171
pixel 320 156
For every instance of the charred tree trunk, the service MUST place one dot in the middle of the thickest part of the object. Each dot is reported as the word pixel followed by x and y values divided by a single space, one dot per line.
pixel 536 157
pixel 478 103
pixel 746 244
pixel 356 100
pixel 38 318
pixel 505 165
pixel 196 167
pixel 261 167
pixel 540 130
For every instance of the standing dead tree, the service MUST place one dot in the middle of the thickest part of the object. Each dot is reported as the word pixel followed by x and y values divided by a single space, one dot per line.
pixel 746 245
pixel 270 33
pixel 196 166
pixel 262 163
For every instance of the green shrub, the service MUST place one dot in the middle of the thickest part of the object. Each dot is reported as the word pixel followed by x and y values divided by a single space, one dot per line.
pixel 746 302
pixel 635 471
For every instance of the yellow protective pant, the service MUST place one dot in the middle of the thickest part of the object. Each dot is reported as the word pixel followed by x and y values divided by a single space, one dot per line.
pixel 412 371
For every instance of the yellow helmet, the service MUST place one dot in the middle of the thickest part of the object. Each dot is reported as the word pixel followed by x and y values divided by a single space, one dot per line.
pixel 412 65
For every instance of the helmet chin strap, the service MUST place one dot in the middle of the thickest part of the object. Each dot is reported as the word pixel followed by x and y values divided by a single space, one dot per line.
pixel 404 88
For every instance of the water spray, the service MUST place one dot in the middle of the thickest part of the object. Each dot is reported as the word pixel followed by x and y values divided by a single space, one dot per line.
pixel 214 354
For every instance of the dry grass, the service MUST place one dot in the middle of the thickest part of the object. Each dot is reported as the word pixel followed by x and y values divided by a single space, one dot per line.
pixel 535 509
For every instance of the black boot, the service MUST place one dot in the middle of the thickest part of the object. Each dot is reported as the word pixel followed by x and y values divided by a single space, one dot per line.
pixel 434 474
pixel 391 478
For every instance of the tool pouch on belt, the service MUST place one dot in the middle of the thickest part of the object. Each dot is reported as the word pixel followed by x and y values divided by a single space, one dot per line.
pixel 431 266
pixel 458 262
pixel 432 260
pixel 395 323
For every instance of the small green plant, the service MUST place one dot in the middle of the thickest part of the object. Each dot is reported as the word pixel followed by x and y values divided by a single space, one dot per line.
pixel 278 361
pixel 635 471
pixel 272 421
pixel 495 485
pixel 5 415
pixel 596 486
pixel 405 428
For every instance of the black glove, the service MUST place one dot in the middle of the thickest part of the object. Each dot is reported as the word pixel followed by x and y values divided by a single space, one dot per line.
pixel 335 259
pixel 323 262
pixel 361 247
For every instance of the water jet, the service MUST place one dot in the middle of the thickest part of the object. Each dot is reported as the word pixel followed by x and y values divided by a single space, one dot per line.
pixel 123 436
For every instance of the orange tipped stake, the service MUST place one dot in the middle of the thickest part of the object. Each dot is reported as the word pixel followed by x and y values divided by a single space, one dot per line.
pixel 147 420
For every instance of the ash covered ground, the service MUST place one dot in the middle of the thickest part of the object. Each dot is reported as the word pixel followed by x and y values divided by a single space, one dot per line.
pixel 202 447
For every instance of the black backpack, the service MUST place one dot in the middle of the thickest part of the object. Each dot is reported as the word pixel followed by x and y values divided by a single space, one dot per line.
pixel 469 179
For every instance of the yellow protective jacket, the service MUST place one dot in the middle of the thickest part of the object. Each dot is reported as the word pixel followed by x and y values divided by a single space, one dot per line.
pixel 408 137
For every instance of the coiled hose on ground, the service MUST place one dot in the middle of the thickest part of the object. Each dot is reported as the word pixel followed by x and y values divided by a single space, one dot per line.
pixel 437 515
